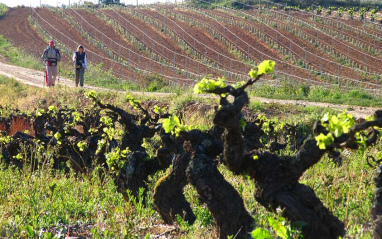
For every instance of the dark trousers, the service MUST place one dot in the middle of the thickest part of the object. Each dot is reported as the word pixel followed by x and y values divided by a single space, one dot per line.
pixel 80 76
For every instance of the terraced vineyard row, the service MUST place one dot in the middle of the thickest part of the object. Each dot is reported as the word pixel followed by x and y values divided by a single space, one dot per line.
pixel 181 44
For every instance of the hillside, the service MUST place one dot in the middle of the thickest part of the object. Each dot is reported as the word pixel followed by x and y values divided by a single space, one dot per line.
pixel 117 159
pixel 181 44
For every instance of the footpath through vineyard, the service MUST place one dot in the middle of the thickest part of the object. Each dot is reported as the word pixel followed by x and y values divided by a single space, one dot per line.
pixel 35 78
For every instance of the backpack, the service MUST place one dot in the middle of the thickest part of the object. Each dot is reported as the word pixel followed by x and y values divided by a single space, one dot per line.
pixel 52 61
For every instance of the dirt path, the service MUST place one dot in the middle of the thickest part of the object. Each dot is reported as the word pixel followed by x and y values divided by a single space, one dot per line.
pixel 35 78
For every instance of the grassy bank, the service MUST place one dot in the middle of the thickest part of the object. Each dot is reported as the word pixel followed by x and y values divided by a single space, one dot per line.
pixel 297 91
pixel 50 203
pixel 18 56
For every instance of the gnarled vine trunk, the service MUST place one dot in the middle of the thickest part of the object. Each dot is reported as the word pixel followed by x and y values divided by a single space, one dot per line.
pixel 169 199
pixel 222 200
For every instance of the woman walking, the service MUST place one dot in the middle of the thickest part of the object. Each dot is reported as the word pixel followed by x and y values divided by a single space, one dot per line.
pixel 79 59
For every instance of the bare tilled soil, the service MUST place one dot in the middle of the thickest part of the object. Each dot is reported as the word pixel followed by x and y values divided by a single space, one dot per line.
pixel 215 50
pixel 304 49
pixel 35 78
pixel 336 26
pixel 117 43
pixel 157 41
pixel 372 28
pixel 245 41
pixel 15 26
pixel 72 38
pixel 345 48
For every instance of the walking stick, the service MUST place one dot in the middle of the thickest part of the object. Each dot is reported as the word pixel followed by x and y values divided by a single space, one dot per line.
pixel 45 81
pixel 58 77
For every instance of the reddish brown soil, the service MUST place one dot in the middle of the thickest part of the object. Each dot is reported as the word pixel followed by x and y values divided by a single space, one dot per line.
pixel 216 51
pixel 372 28
pixel 15 26
pixel 344 47
pixel 242 39
pixel 115 41
pixel 72 38
pixel 157 41
pixel 302 48
pixel 355 32
pixel 20 125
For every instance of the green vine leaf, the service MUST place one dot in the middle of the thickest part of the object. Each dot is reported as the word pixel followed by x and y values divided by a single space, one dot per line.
pixel 265 67
pixel 40 112
pixel 207 84
pixel 81 145
pixel 338 124
pixel 324 140
pixel 252 73
pixel 133 102
pixel 90 94
pixel 172 125
pixel 260 233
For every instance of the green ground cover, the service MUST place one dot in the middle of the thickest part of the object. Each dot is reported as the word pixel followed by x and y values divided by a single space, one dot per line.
pixel 45 202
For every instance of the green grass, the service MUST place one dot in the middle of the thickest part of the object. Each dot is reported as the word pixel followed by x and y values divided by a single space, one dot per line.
pixel 18 56
pixel 335 95
pixel 3 9
pixel 46 201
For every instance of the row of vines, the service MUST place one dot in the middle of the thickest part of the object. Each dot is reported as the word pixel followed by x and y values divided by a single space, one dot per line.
pixel 110 137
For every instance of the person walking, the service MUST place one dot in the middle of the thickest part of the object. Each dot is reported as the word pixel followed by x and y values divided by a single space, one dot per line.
pixel 51 56
pixel 79 60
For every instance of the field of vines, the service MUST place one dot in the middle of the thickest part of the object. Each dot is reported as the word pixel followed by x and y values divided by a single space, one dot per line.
pixel 180 44
pixel 86 164
pixel 134 168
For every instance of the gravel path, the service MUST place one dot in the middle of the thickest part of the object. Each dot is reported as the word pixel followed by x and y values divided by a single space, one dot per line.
pixel 36 78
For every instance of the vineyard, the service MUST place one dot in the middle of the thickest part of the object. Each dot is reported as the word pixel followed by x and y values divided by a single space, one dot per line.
pixel 148 155
pixel 86 164
pixel 181 44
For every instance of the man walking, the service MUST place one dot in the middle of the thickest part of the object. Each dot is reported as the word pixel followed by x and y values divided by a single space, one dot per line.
pixel 51 57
